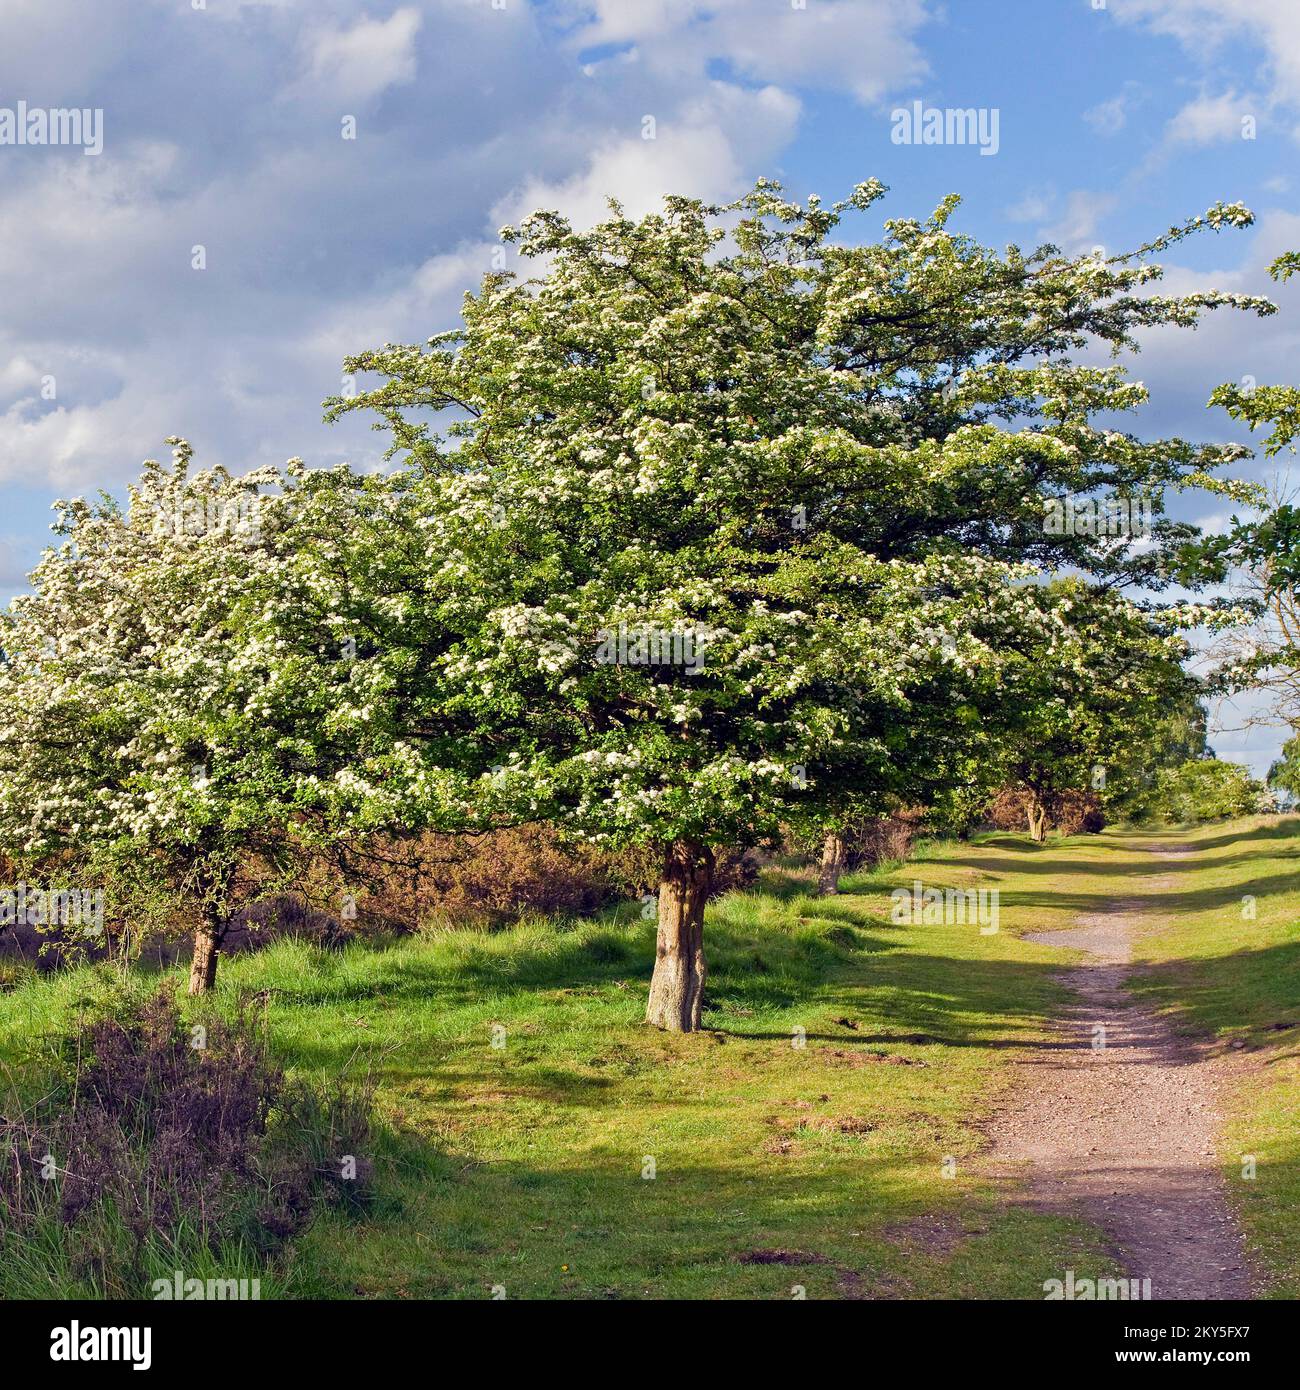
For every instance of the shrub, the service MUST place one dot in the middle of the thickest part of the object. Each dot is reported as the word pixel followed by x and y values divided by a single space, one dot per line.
pixel 1076 813
pixel 491 879
pixel 1071 812
pixel 163 1146
pixel 883 838
pixel 1205 789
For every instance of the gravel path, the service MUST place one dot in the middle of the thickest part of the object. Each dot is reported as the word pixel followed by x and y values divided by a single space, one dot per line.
pixel 1123 1124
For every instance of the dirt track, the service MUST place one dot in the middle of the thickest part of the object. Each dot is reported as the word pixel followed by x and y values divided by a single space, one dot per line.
pixel 1121 1125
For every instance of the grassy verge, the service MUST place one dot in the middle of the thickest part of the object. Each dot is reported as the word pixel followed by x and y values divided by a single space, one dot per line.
pixel 836 1165
pixel 1225 967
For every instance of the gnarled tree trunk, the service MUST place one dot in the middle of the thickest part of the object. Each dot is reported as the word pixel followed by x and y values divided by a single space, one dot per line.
pixel 677 987
pixel 833 855
pixel 207 947
pixel 1037 814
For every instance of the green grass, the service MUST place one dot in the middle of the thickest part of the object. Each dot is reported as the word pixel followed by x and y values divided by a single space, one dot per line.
pixel 521 1166
pixel 1232 979
pixel 526 1163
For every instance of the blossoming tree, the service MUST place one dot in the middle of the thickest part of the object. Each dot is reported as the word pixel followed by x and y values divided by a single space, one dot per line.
pixel 727 431
pixel 162 728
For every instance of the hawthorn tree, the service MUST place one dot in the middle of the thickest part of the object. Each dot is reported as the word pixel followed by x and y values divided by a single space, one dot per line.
pixel 939 741
pixel 1086 696
pixel 1263 652
pixel 726 429
pixel 158 733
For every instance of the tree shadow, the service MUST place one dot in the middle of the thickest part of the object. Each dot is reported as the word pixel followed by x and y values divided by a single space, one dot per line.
pixel 1165 902
pixel 1252 994
pixel 1284 828
pixel 701 1230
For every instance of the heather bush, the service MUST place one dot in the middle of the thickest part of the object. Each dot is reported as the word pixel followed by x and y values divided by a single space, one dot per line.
pixel 162 1145
pixel 883 839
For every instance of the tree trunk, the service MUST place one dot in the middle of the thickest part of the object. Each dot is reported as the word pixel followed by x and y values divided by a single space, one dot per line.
pixel 832 865
pixel 1037 820
pixel 677 988
pixel 207 946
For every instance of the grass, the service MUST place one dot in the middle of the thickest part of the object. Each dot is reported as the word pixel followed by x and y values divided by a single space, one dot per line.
pixel 1224 965
pixel 1220 957
pixel 531 1175
pixel 776 1167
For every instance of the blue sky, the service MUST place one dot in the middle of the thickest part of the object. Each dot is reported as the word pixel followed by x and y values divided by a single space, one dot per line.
pixel 223 127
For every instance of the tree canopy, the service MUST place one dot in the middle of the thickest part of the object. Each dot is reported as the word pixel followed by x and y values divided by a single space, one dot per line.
pixel 717 524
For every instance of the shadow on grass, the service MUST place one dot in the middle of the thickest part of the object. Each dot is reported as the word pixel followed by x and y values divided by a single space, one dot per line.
pixel 858 1226
pixel 1251 993
pixel 1163 902
pixel 1283 829
pixel 1147 867
pixel 786 980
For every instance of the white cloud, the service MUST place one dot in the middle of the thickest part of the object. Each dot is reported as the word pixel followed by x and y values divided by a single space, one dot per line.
pixel 1208 120
pixel 317 247
pixel 1072 225
pixel 358 63
pixel 1203 27
pixel 1075 231
pixel 1033 207
pixel 865 47
pixel 706 151
pixel 1107 117
pixel 1111 116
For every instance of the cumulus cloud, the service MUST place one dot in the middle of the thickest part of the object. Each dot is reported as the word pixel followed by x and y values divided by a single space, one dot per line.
pixel 1077 227
pixel 1209 119
pixel 1206 27
pixel 865 47
pixel 359 61
pixel 704 150
pixel 1208 24
pixel 1034 206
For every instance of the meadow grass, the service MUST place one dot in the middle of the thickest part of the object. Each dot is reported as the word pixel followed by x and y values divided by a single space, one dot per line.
pixel 1224 966
pixel 777 1167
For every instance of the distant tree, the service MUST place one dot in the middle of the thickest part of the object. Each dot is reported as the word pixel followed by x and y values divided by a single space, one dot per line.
pixel 1097 677
pixel 1284 774
pixel 1207 789
pixel 1176 735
